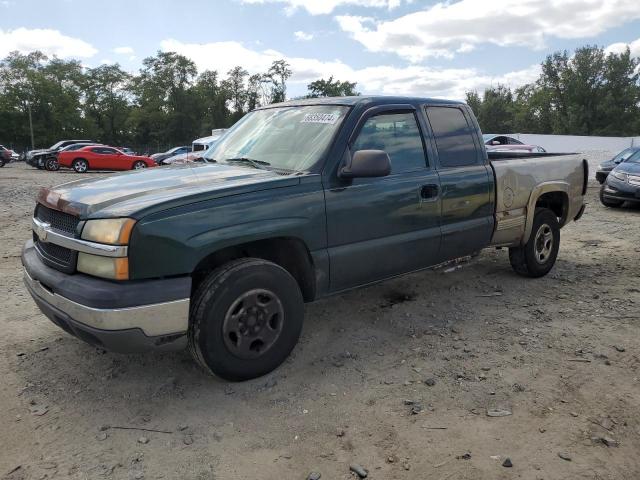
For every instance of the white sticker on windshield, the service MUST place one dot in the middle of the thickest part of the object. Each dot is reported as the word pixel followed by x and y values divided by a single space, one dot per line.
pixel 327 118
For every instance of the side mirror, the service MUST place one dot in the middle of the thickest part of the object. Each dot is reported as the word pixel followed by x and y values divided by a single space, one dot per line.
pixel 367 163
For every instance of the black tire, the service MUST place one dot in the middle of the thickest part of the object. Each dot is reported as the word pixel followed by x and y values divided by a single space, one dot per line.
pixel 51 164
pixel 80 165
pixel 218 336
pixel 137 165
pixel 609 203
pixel 538 256
pixel 2 162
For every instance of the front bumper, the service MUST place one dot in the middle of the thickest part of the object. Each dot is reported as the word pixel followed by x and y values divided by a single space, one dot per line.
pixel 126 317
pixel 617 190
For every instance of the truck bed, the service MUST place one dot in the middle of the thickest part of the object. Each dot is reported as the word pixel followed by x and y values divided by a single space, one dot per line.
pixel 522 178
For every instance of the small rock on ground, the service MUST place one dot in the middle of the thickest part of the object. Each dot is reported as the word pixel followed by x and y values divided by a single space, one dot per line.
pixel 358 470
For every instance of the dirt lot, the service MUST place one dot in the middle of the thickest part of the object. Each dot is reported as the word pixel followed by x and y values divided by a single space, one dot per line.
pixel 561 353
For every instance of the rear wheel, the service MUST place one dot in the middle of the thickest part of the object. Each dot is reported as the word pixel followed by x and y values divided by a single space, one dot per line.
pixel 607 202
pixel 246 317
pixel 538 256
pixel 2 162
pixel 80 165
pixel 139 164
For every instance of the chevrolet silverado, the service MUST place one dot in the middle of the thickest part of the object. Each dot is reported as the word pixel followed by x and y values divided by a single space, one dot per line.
pixel 298 201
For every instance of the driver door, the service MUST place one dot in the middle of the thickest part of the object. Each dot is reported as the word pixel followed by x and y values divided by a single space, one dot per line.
pixel 381 227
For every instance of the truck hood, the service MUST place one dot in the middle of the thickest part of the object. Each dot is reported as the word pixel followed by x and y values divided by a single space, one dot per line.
pixel 140 192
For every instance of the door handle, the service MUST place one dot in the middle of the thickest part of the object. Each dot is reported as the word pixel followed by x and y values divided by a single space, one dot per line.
pixel 429 192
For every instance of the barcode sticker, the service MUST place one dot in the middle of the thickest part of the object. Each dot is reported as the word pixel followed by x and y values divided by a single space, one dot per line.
pixel 326 118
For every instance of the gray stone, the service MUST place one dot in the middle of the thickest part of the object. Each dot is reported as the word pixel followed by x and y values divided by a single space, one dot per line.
pixel 358 470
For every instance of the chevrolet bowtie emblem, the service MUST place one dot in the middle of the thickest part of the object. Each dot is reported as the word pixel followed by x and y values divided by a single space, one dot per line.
pixel 41 231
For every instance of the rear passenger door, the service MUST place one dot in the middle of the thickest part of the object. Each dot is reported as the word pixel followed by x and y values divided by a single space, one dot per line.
pixel 380 227
pixel 466 181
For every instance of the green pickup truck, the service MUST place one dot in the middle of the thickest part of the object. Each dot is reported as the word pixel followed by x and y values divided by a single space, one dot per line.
pixel 297 201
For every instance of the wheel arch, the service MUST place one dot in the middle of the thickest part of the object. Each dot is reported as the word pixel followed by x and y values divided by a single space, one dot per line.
pixel 551 195
pixel 291 253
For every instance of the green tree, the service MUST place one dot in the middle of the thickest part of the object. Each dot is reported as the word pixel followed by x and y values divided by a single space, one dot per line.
pixel 331 88
pixel 279 73
pixel 106 104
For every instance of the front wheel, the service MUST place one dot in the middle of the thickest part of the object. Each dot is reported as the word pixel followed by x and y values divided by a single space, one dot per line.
pixel 2 162
pixel 607 202
pixel 538 256
pixel 80 165
pixel 52 165
pixel 139 164
pixel 246 317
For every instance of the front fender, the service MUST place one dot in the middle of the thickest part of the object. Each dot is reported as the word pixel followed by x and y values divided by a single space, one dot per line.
pixel 175 241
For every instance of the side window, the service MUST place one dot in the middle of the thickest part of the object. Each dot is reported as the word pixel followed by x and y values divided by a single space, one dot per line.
pixel 453 136
pixel 108 151
pixel 96 150
pixel 398 135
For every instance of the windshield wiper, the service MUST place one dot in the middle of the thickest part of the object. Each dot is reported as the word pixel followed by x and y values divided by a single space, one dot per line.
pixel 250 161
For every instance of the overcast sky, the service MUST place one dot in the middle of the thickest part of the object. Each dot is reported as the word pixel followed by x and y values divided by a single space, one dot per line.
pixel 426 48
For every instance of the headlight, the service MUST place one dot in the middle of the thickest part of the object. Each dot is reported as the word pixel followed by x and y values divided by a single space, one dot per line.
pixel 105 267
pixel 112 231
pixel 620 176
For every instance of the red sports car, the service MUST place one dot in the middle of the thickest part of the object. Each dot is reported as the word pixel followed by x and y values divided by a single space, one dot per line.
pixel 99 157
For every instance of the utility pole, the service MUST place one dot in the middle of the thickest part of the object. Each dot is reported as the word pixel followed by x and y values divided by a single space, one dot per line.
pixel 30 125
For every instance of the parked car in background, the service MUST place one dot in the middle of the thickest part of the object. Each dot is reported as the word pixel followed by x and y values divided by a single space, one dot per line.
pixel 101 157
pixel 622 184
pixel 201 144
pixel 8 154
pixel 51 163
pixel 199 148
pixel 5 155
pixel 505 143
pixel 605 167
pixel 188 157
pixel 159 157
pixel 37 158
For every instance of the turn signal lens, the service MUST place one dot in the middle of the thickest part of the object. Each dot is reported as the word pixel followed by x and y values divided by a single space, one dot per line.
pixel 112 231
pixel 105 267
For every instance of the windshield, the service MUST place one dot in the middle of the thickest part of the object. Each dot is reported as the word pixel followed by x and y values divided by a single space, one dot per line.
pixel 634 157
pixel 56 145
pixel 287 138
pixel 625 154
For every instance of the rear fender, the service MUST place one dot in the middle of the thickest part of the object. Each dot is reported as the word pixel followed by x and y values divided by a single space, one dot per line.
pixel 536 193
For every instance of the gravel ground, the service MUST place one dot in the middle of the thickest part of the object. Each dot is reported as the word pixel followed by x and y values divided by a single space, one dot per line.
pixel 398 378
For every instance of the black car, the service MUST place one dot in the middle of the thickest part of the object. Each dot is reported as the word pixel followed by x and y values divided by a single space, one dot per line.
pixel 623 183
pixel 605 167
pixel 38 158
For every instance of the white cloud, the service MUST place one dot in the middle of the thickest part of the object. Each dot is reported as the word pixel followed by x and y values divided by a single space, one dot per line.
pixel 382 79
pixel 634 47
pixel 320 7
pixel 123 50
pixel 50 42
pixel 303 36
pixel 445 28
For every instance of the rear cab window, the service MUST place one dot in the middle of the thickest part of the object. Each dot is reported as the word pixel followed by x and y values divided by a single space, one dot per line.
pixel 453 136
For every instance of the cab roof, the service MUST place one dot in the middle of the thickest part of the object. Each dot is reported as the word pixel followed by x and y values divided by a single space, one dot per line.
pixel 369 100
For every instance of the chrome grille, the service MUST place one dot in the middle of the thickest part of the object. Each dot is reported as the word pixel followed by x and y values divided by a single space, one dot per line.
pixel 58 220
pixel 56 256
